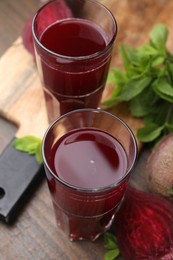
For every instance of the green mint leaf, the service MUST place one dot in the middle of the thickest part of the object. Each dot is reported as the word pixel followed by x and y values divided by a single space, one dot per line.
pixel 116 92
pixel 149 133
pixel 26 144
pixel 163 89
pixel 169 127
pixel 110 240
pixel 169 67
pixel 29 144
pixel 163 113
pixel 133 56
pixel 134 88
pixel 144 103
pixel 116 77
pixel 124 56
pixel 158 113
pixel 109 103
pixel 169 117
pixel 111 78
pixel 158 36
pixel 112 254
pixel 147 50
pixel 158 60
pixel 38 153
pixel 149 119
pixel 114 99
pixel 138 108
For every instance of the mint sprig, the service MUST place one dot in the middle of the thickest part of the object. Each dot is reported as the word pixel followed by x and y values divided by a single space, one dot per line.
pixel 31 145
pixel 110 243
pixel 146 83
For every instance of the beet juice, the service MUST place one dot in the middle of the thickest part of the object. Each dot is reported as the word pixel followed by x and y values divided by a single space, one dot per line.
pixel 87 159
pixel 75 69
pixel 88 156
pixel 83 38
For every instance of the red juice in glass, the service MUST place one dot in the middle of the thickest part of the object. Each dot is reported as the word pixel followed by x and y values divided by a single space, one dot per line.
pixel 88 158
pixel 73 56
pixel 71 84
pixel 86 169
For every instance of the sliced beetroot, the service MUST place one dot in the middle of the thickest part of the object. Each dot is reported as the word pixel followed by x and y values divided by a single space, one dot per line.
pixel 144 226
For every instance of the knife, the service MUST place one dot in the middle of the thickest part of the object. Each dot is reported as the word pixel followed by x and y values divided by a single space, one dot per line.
pixel 20 175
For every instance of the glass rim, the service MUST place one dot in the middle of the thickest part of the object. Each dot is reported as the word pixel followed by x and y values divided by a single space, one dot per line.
pixel 89 190
pixel 74 58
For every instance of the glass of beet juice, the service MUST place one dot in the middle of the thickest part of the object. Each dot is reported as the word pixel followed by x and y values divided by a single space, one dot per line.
pixel 88 155
pixel 73 45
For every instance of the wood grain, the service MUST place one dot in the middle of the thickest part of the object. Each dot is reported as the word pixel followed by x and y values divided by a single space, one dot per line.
pixel 34 235
pixel 23 102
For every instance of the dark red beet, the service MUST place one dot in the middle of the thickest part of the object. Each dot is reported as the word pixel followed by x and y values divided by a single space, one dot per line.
pixel 62 11
pixel 27 36
pixel 144 226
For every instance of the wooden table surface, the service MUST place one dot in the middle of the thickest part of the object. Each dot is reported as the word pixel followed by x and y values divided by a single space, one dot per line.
pixel 34 235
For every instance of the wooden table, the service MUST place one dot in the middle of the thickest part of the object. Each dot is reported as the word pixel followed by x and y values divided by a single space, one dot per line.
pixel 34 235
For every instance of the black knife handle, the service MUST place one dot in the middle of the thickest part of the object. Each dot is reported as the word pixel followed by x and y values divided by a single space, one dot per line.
pixel 19 175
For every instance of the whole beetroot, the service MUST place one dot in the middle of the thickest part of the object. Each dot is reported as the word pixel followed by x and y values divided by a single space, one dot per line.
pixel 159 169
pixel 61 11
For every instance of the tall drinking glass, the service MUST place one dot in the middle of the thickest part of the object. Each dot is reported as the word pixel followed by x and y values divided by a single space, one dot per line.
pixel 73 45
pixel 88 156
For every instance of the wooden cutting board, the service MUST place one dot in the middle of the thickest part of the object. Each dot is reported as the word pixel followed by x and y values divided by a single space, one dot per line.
pixel 21 97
